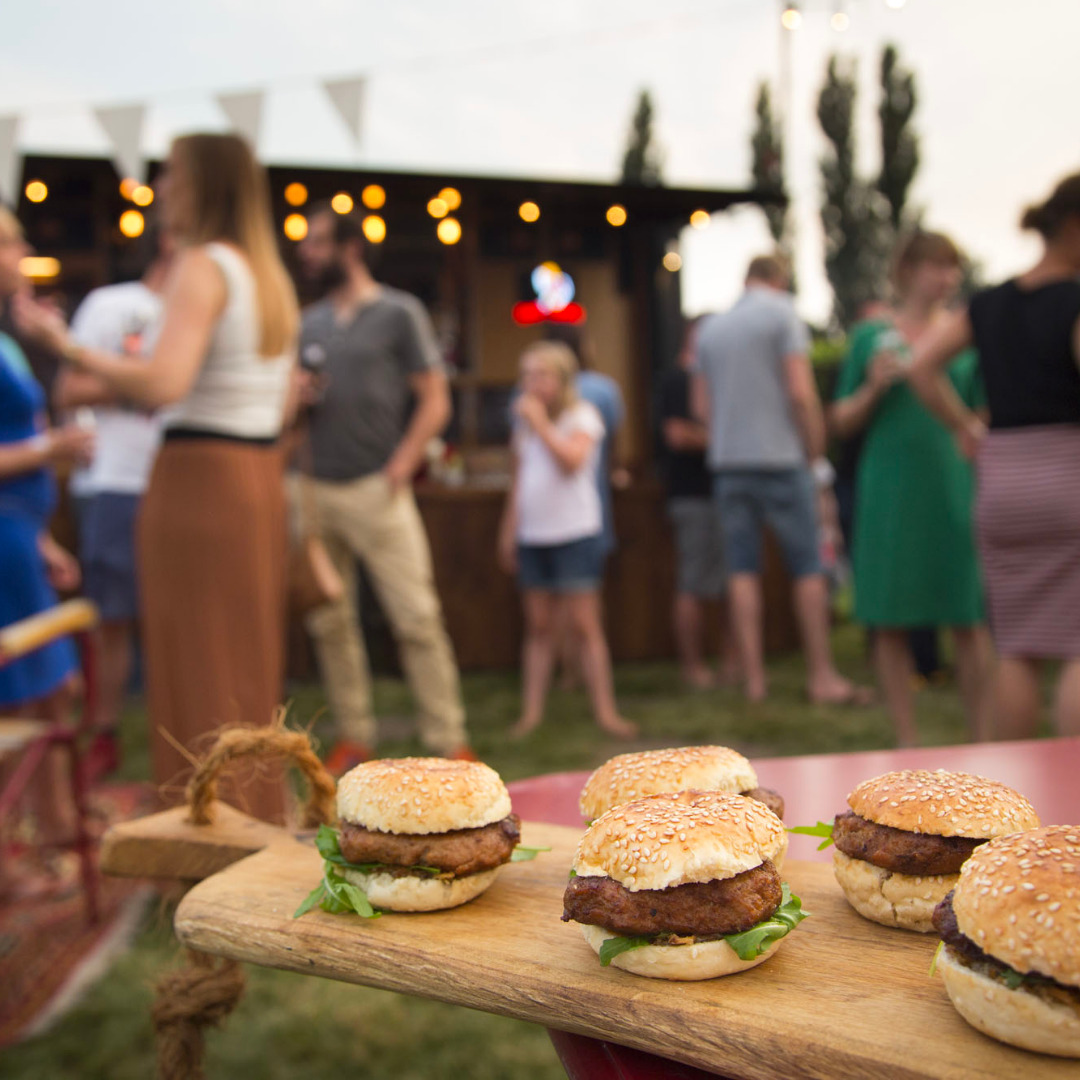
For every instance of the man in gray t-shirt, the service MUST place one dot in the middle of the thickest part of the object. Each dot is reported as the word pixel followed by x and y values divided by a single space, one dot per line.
pixel 755 388
pixel 377 395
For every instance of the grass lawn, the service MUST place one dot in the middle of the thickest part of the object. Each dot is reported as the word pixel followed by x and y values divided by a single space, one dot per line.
pixel 289 1026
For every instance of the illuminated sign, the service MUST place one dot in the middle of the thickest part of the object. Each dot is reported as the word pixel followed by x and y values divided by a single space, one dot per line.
pixel 554 302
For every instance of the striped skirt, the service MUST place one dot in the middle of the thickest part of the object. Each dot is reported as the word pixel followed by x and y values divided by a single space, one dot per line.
pixel 1029 536
pixel 212 576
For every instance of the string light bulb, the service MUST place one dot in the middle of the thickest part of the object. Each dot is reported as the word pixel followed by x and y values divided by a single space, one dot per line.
pixel 374 228
pixel 36 191
pixel 128 186
pixel 296 194
pixel 840 21
pixel 791 17
pixel 295 226
pixel 132 224
pixel 450 196
pixel 700 219
pixel 616 215
pixel 529 211
pixel 142 195
pixel 449 230
pixel 342 203
pixel 373 197
pixel 672 261
pixel 438 207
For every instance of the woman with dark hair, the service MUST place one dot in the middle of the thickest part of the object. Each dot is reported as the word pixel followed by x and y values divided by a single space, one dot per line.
pixel 913 552
pixel 1027 331
pixel 212 526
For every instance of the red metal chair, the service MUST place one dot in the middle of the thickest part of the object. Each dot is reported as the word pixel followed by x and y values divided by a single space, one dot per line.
pixel 27 742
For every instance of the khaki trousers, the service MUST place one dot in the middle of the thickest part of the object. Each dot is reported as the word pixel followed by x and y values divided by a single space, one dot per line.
pixel 364 519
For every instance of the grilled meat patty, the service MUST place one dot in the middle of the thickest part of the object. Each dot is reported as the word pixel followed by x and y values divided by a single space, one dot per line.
pixel 460 852
pixel 901 851
pixel 772 799
pixel 699 909
pixel 945 924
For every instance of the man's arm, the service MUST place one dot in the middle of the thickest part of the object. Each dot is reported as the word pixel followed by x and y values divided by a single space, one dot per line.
pixel 74 389
pixel 682 434
pixel 429 418
pixel 805 403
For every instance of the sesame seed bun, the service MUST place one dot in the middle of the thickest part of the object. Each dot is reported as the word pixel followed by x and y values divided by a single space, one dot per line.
pixel 1017 1017
pixel 422 795
pixel 889 898
pixel 413 893
pixel 943 803
pixel 653 772
pixel 682 963
pixel 1018 899
pixel 674 839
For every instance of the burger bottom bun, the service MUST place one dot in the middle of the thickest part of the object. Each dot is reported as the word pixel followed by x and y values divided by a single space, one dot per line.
pixel 684 963
pixel 891 899
pixel 1018 1017
pixel 413 893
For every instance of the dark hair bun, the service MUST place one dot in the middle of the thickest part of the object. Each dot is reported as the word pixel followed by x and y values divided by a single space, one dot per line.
pixel 1047 218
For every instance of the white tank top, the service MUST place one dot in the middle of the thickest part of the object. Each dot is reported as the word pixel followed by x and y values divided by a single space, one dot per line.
pixel 237 392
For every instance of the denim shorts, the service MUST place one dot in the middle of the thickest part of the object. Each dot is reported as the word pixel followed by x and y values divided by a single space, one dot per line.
pixel 783 499
pixel 107 554
pixel 576 566
pixel 699 549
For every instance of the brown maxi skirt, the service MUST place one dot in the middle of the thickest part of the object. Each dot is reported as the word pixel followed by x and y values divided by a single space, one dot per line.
pixel 212 574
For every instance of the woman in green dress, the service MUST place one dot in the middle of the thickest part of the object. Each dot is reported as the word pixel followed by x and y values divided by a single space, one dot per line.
pixel 913 547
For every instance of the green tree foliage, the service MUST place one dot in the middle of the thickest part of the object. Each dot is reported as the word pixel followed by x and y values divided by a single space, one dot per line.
pixel 855 221
pixel 767 168
pixel 899 144
pixel 641 162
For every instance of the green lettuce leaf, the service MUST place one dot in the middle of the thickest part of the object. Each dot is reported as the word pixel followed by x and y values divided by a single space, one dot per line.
pixel 748 945
pixel 334 894
pixel 1012 979
pixel 526 854
pixel 822 828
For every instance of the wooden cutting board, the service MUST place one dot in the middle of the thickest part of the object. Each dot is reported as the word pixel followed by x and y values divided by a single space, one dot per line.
pixel 842 998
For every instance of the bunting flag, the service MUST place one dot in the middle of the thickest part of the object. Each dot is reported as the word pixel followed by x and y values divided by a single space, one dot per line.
pixel 347 97
pixel 9 160
pixel 123 126
pixel 244 111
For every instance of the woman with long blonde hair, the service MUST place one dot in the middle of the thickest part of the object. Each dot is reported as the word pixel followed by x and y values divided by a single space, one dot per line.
pixel 551 533
pixel 211 541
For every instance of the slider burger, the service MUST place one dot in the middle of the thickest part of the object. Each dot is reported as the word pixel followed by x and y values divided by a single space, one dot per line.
pixel 900 847
pixel 1010 953
pixel 417 834
pixel 686 768
pixel 682 886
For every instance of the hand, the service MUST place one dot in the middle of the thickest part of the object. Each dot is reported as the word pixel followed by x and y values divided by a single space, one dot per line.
pixel 61 566
pixel 507 552
pixel 42 323
pixel 886 369
pixel 621 479
pixel 399 473
pixel 70 445
pixel 970 436
pixel 531 410
pixel 311 388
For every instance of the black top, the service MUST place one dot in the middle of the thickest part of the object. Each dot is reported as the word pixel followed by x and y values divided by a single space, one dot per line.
pixel 1025 343
pixel 685 471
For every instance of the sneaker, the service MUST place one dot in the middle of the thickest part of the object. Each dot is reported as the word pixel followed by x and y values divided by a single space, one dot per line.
pixel 345 756
pixel 463 753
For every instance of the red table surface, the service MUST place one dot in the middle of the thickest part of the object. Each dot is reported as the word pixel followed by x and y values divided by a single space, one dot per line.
pixel 815 788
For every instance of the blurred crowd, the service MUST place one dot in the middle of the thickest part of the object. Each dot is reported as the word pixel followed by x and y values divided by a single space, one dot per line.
pixel 227 451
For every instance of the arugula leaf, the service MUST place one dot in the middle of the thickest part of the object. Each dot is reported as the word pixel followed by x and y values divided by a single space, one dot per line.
pixel 822 828
pixel 526 854
pixel 750 944
pixel 612 947
pixel 314 897
pixel 937 956
pixel 1012 979
pixel 334 894
pixel 326 840
pixel 573 874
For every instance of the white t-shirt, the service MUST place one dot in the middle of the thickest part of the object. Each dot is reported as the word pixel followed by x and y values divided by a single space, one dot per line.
pixel 119 319
pixel 553 506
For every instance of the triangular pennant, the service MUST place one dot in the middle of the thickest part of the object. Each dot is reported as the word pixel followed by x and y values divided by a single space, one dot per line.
pixel 347 97
pixel 244 111
pixel 123 125
pixel 9 160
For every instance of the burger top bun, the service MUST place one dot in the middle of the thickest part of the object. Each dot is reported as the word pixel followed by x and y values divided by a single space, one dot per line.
pixel 422 795
pixel 943 803
pixel 1018 899
pixel 651 772
pixel 674 839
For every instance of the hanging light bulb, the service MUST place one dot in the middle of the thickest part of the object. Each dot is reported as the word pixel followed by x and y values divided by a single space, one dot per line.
pixel 840 21
pixel 791 17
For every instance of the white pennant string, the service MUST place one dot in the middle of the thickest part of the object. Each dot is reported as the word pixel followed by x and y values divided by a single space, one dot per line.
pixel 9 160
pixel 123 126
pixel 244 111
pixel 347 97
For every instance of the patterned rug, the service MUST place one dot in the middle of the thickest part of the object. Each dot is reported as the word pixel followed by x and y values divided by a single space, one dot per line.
pixel 48 951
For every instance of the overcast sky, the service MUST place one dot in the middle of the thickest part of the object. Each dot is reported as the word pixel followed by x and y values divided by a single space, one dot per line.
pixel 546 89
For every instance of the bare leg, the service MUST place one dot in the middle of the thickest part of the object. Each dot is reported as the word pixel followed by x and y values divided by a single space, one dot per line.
pixel 687 618
pixel 893 660
pixel 974 664
pixel 537 659
pixel 745 593
pixel 825 685
pixel 1067 704
pixel 1017 698
pixel 567 650
pixel 114 657
pixel 584 610
pixel 730 666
